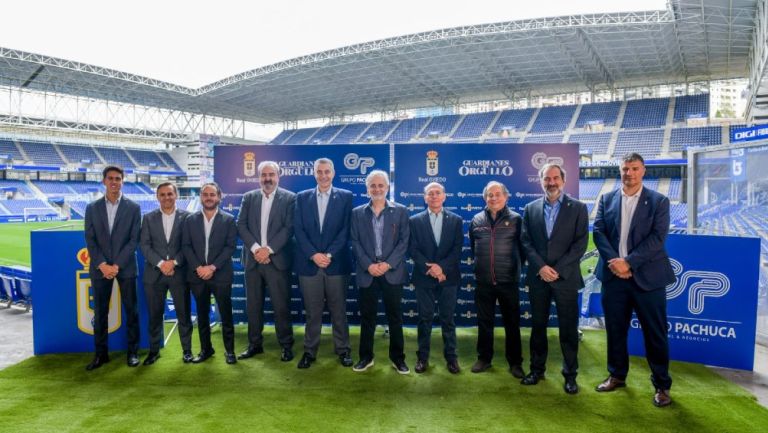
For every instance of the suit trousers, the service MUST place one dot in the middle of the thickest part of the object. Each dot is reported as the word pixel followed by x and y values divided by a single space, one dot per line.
pixel 278 283
pixel 508 297
pixel 567 306
pixel 391 296
pixel 446 305
pixel 156 294
pixel 102 291
pixel 318 290
pixel 620 298
pixel 223 296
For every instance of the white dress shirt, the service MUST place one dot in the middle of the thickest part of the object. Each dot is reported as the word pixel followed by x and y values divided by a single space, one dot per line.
pixel 266 207
pixel 167 229
pixel 322 205
pixel 628 207
pixel 208 225
pixel 112 210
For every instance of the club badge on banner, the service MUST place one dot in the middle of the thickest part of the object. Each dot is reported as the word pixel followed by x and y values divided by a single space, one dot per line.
pixel 464 169
pixel 712 305
pixel 235 170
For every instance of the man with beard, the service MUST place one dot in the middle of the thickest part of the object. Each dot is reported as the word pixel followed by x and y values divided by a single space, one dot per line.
pixel 164 270
pixel 209 242
pixel 112 226
pixel 554 237
pixel 379 237
pixel 265 224
pixel 321 223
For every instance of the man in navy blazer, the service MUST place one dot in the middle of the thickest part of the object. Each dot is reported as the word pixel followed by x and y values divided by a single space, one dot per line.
pixel 265 224
pixel 208 242
pixel 322 261
pixel 165 270
pixel 112 226
pixel 554 237
pixel 379 236
pixel 436 241
pixel 629 231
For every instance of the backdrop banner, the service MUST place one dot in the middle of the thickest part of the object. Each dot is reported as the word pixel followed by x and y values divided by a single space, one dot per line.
pixel 712 306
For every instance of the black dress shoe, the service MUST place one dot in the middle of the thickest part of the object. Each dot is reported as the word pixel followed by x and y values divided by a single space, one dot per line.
pixel 363 364
pixel 186 356
pixel 306 361
pixel 286 354
pixel 250 352
pixel 571 387
pixel 532 378
pixel 346 359
pixel 453 366
pixel 152 358
pixel 230 357
pixel 421 366
pixel 98 361
pixel 480 366
pixel 401 367
pixel 517 371
pixel 133 360
pixel 202 356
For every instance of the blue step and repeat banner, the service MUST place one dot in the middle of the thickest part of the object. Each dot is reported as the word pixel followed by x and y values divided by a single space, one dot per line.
pixel 712 306
pixel 464 169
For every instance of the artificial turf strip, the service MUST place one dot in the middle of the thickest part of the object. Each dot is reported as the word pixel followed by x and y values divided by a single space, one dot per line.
pixel 54 393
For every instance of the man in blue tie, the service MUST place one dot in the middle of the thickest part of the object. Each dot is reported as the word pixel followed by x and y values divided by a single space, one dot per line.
pixel 436 240
pixel 322 261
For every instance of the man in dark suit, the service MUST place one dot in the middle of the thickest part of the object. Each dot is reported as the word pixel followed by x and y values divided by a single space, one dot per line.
pixel 208 243
pixel 554 237
pixel 379 237
pixel 164 270
pixel 321 225
pixel 265 224
pixel 112 225
pixel 435 247
pixel 630 230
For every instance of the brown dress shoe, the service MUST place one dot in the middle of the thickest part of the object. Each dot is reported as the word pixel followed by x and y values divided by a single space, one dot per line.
pixel 662 398
pixel 610 384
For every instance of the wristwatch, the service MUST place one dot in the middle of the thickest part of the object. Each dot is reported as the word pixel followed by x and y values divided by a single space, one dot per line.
pixel 329 255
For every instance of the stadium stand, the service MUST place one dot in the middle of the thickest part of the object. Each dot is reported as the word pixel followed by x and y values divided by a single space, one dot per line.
pixel 169 161
pixel 379 130
pixel 590 188
pixel 675 188
pixel 15 185
pixel 54 188
pixel 513 120
pixel 474 125
pixel 553 119
pixel 440 126
pixel 8 147
pixel 325 134
pixel 646 143
pixel 42 153
pixel 683 138
pixel 691 105
pixel 301 136
pixel 407 129
pixel 543 139
pixel 646 113
pixel 116 156
pixel 596 143
pixel 283 136
pixel 16 207
pixel 76 154
pixel 350 133
pixel 146 158
pixel 603 112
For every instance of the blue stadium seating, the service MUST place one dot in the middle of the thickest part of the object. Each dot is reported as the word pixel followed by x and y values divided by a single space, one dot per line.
pixel 378 130
pixel 646 143
pixel 281 137
pixel 300 136
pixel 474 125
pixel 76 154
pixel 169 161
pixel 553 119
pixel 16 207
pixel 350 133
pixel 675 188
pixel 646 113
pixel 42 153
pixel 84 187
pixel 691 105
pixel 590 188
pixel 8 147
pixel 596 143
pixel 146 158
pixel 605 112
pixel 543 139
pixel 116 156
pixel 19 185
pixel 678 215
pixel 324 134
pixel 683 138
pixel 53 188
pixel 407 129
pixel 440 126
pixel 513 120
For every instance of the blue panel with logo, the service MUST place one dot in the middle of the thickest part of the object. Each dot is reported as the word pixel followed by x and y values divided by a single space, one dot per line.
pixel 63 301
pixel 712 307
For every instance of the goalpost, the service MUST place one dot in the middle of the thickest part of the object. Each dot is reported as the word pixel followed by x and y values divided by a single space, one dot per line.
pixel 42 214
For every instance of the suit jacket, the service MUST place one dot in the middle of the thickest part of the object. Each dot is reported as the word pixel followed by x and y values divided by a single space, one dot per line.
pixel 221 246
pixel 563 249
pixel 116 248
pixel 279 230
pixel 648 231
pixel 424 249
pixel 334 239
pixel 155 247
pixel 394 243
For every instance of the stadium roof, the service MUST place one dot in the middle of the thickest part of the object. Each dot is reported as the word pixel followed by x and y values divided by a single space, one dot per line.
pixel 690 41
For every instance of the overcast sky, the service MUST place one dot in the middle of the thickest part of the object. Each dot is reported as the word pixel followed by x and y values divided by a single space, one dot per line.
pixel 195 43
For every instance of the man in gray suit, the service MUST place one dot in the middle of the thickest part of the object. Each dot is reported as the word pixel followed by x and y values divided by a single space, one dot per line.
pixel 379 236
pixel 164 270
pixel 554 237
pixel 265 224
pixel 111 235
